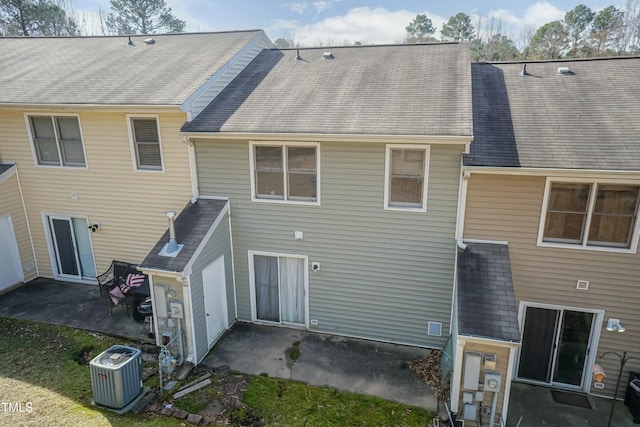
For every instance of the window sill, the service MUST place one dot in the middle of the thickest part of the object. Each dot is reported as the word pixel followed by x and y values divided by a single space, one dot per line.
pixel 61 167
pixel 286 202
pixel 631 250
pixel 406 208
pixel 149 170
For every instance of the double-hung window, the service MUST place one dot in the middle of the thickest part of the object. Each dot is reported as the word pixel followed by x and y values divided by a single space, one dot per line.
pixel 285 172
pixel 57 140
pixel 590 214
pixel 146 146
pixel 406 177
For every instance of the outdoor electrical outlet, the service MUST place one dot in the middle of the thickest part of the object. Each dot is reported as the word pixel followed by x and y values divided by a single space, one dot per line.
pixel 314 322
pixel 486 410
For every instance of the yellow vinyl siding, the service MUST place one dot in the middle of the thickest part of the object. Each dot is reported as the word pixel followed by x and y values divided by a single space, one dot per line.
pixel 11 204
pixel 129 205
pixel 508 208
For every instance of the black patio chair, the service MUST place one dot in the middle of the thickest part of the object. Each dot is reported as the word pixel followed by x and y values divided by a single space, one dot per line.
pixel 114 277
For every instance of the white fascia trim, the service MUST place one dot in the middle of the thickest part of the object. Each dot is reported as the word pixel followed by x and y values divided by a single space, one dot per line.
pixel 187 270
pixel 187 105
pixel 92 107
pixel 611 174
pixel 162 273
pixel 8 173
pixel 489 341
pixel 317 137
pixel 491 242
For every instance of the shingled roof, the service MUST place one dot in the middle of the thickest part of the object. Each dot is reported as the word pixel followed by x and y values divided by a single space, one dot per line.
pixel 191 226
pixel 486 301
pixel 587 118
pixel 359 90
pixel 106 70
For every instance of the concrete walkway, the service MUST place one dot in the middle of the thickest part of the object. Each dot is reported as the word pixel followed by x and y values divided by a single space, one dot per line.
pixel 358 366
pixel 70 304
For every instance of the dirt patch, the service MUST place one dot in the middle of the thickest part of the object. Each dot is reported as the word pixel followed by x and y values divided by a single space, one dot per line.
pixel 85 355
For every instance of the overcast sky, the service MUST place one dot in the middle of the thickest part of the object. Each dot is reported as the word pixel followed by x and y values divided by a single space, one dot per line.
pixel 311 22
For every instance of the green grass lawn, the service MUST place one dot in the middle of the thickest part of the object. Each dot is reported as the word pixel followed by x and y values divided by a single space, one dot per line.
pixel 39 370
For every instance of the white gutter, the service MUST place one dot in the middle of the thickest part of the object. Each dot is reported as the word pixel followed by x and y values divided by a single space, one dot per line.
pixel 317 137
pixel 546 171
pixel 132 108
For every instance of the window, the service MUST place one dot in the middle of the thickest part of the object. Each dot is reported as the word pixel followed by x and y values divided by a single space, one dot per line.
pixel 285 172
pixel 406 177
pixel 57 140
pixel 146 143
pixel 591 214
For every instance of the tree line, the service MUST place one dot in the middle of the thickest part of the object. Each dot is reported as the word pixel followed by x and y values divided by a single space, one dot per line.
pixel 57 18
pixel 581 33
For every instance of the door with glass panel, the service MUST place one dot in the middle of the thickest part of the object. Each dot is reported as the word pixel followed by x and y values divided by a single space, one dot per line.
pixel 279 289
pixel 71 246
pixel 555 346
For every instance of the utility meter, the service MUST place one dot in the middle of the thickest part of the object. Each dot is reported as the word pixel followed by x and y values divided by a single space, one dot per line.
pixel 492 381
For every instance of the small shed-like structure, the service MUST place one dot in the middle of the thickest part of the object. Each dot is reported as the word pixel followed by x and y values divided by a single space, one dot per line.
pixel 486 332
pixel 192 286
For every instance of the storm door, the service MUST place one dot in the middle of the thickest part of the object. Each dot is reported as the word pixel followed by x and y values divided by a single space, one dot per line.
pixel 555 346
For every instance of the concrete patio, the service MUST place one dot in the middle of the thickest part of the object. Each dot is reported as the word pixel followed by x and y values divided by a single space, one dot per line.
pixel 70 304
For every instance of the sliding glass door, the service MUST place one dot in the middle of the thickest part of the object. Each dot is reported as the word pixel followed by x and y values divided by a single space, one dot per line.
pixel 279 287
pixel 555 346
pixel 71 246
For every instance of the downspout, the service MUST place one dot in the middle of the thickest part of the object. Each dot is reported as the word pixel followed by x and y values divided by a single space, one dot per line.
pixel 26 217
pixel 193 169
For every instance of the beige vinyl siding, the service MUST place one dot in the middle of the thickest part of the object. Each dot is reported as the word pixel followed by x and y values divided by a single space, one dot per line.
pixel 218 245
pixel 384 274
pixel 128 205
pixel 502 365
pixel 508 208
pixel 11 205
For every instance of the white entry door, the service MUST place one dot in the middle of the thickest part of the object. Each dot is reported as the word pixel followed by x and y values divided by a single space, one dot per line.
pixel 215 300
pixel 10 265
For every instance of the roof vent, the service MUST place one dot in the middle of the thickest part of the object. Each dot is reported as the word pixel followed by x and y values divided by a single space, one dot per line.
pixel 130 42
pixel 524 71
pixel 172 248
pixel 149 41
pixel 298 57
pixel 328 55
pixel 564 71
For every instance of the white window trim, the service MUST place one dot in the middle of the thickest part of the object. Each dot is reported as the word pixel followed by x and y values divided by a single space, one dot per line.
pixel 252 285
pixel 32 142
pixel 132 143
pixel 387 175
pixel 252 172
pixel 583 246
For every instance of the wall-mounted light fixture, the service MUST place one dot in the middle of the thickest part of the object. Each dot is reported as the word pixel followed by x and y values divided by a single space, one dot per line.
pixel 94 227
pixel 613 325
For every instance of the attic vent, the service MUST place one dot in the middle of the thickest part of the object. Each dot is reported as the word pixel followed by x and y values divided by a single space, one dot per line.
pixel 328 55
pixel 524 71
pixel 149 41
pixel 434 329
pixel 564 71
pixel 172 248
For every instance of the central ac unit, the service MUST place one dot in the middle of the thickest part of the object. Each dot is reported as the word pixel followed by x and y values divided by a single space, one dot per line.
pixel 116 376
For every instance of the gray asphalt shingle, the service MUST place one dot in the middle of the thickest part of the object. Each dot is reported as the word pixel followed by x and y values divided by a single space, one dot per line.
pixel 105 70
pixel 588 119
pixel 486 302
pixel 367 90
pixel 191 226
